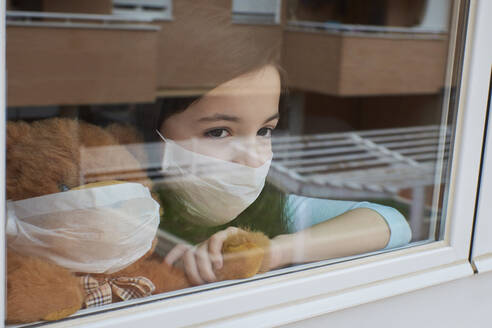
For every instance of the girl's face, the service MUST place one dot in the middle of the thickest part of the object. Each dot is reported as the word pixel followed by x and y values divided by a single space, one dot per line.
pixel 234 121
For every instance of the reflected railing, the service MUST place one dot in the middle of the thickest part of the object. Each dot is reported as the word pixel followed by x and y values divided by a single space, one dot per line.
pixel 435 20
pixel 70 20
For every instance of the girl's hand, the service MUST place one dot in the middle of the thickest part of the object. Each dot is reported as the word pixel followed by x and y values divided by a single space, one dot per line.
pixel 200 261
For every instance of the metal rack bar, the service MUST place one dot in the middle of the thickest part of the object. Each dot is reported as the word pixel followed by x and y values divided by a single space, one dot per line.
pixel 386 160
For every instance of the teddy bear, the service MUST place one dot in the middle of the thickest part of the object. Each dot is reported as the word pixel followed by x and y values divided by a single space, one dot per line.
pixel 44 158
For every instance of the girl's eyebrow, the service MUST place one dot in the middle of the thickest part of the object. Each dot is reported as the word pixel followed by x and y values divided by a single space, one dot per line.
pixel 220 117
pixel 224 117
pixel 271 118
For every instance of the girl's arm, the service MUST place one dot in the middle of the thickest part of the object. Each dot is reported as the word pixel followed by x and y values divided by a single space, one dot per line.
pixel 357 231
pixel 324 229
pixel 320 229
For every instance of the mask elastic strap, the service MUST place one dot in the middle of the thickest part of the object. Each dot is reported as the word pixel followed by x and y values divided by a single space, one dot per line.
pixel 193 140
pixel 160 135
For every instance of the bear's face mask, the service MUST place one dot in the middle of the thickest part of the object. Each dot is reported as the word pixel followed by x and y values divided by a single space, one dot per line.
pixel 95 230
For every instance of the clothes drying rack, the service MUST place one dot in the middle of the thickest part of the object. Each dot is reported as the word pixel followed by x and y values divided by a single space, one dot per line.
pixel 362 165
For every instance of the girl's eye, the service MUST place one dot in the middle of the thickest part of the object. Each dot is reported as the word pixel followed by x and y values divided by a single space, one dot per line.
pixel 265 132
pixel 217 133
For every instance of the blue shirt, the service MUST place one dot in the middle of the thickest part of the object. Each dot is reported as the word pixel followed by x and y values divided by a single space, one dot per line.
pixel 304 212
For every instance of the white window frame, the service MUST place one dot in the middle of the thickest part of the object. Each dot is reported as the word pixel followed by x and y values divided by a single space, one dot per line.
pixel 305 294
pixel 482 243
pixel 3 104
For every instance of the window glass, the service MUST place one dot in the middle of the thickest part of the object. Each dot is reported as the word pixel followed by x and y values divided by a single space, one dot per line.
pixel 146 155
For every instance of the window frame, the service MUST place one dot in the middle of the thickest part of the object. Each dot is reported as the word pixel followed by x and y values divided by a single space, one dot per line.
pixel 3 104
pixel 482 239
pixel 304 294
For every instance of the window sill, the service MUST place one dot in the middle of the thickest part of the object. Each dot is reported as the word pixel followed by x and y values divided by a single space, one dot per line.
pixel 288 297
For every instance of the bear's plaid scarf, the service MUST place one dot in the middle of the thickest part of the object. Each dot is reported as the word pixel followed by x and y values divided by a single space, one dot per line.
pixel 102 291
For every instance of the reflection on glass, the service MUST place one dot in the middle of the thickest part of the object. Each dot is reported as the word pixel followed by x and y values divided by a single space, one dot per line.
pixel 211 150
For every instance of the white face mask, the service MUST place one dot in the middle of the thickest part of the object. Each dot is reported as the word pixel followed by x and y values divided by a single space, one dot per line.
pixel 95 230
pixel 213 191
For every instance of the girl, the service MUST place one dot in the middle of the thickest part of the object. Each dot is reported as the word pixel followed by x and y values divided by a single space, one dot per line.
pixel 229 130
pixel 233 123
